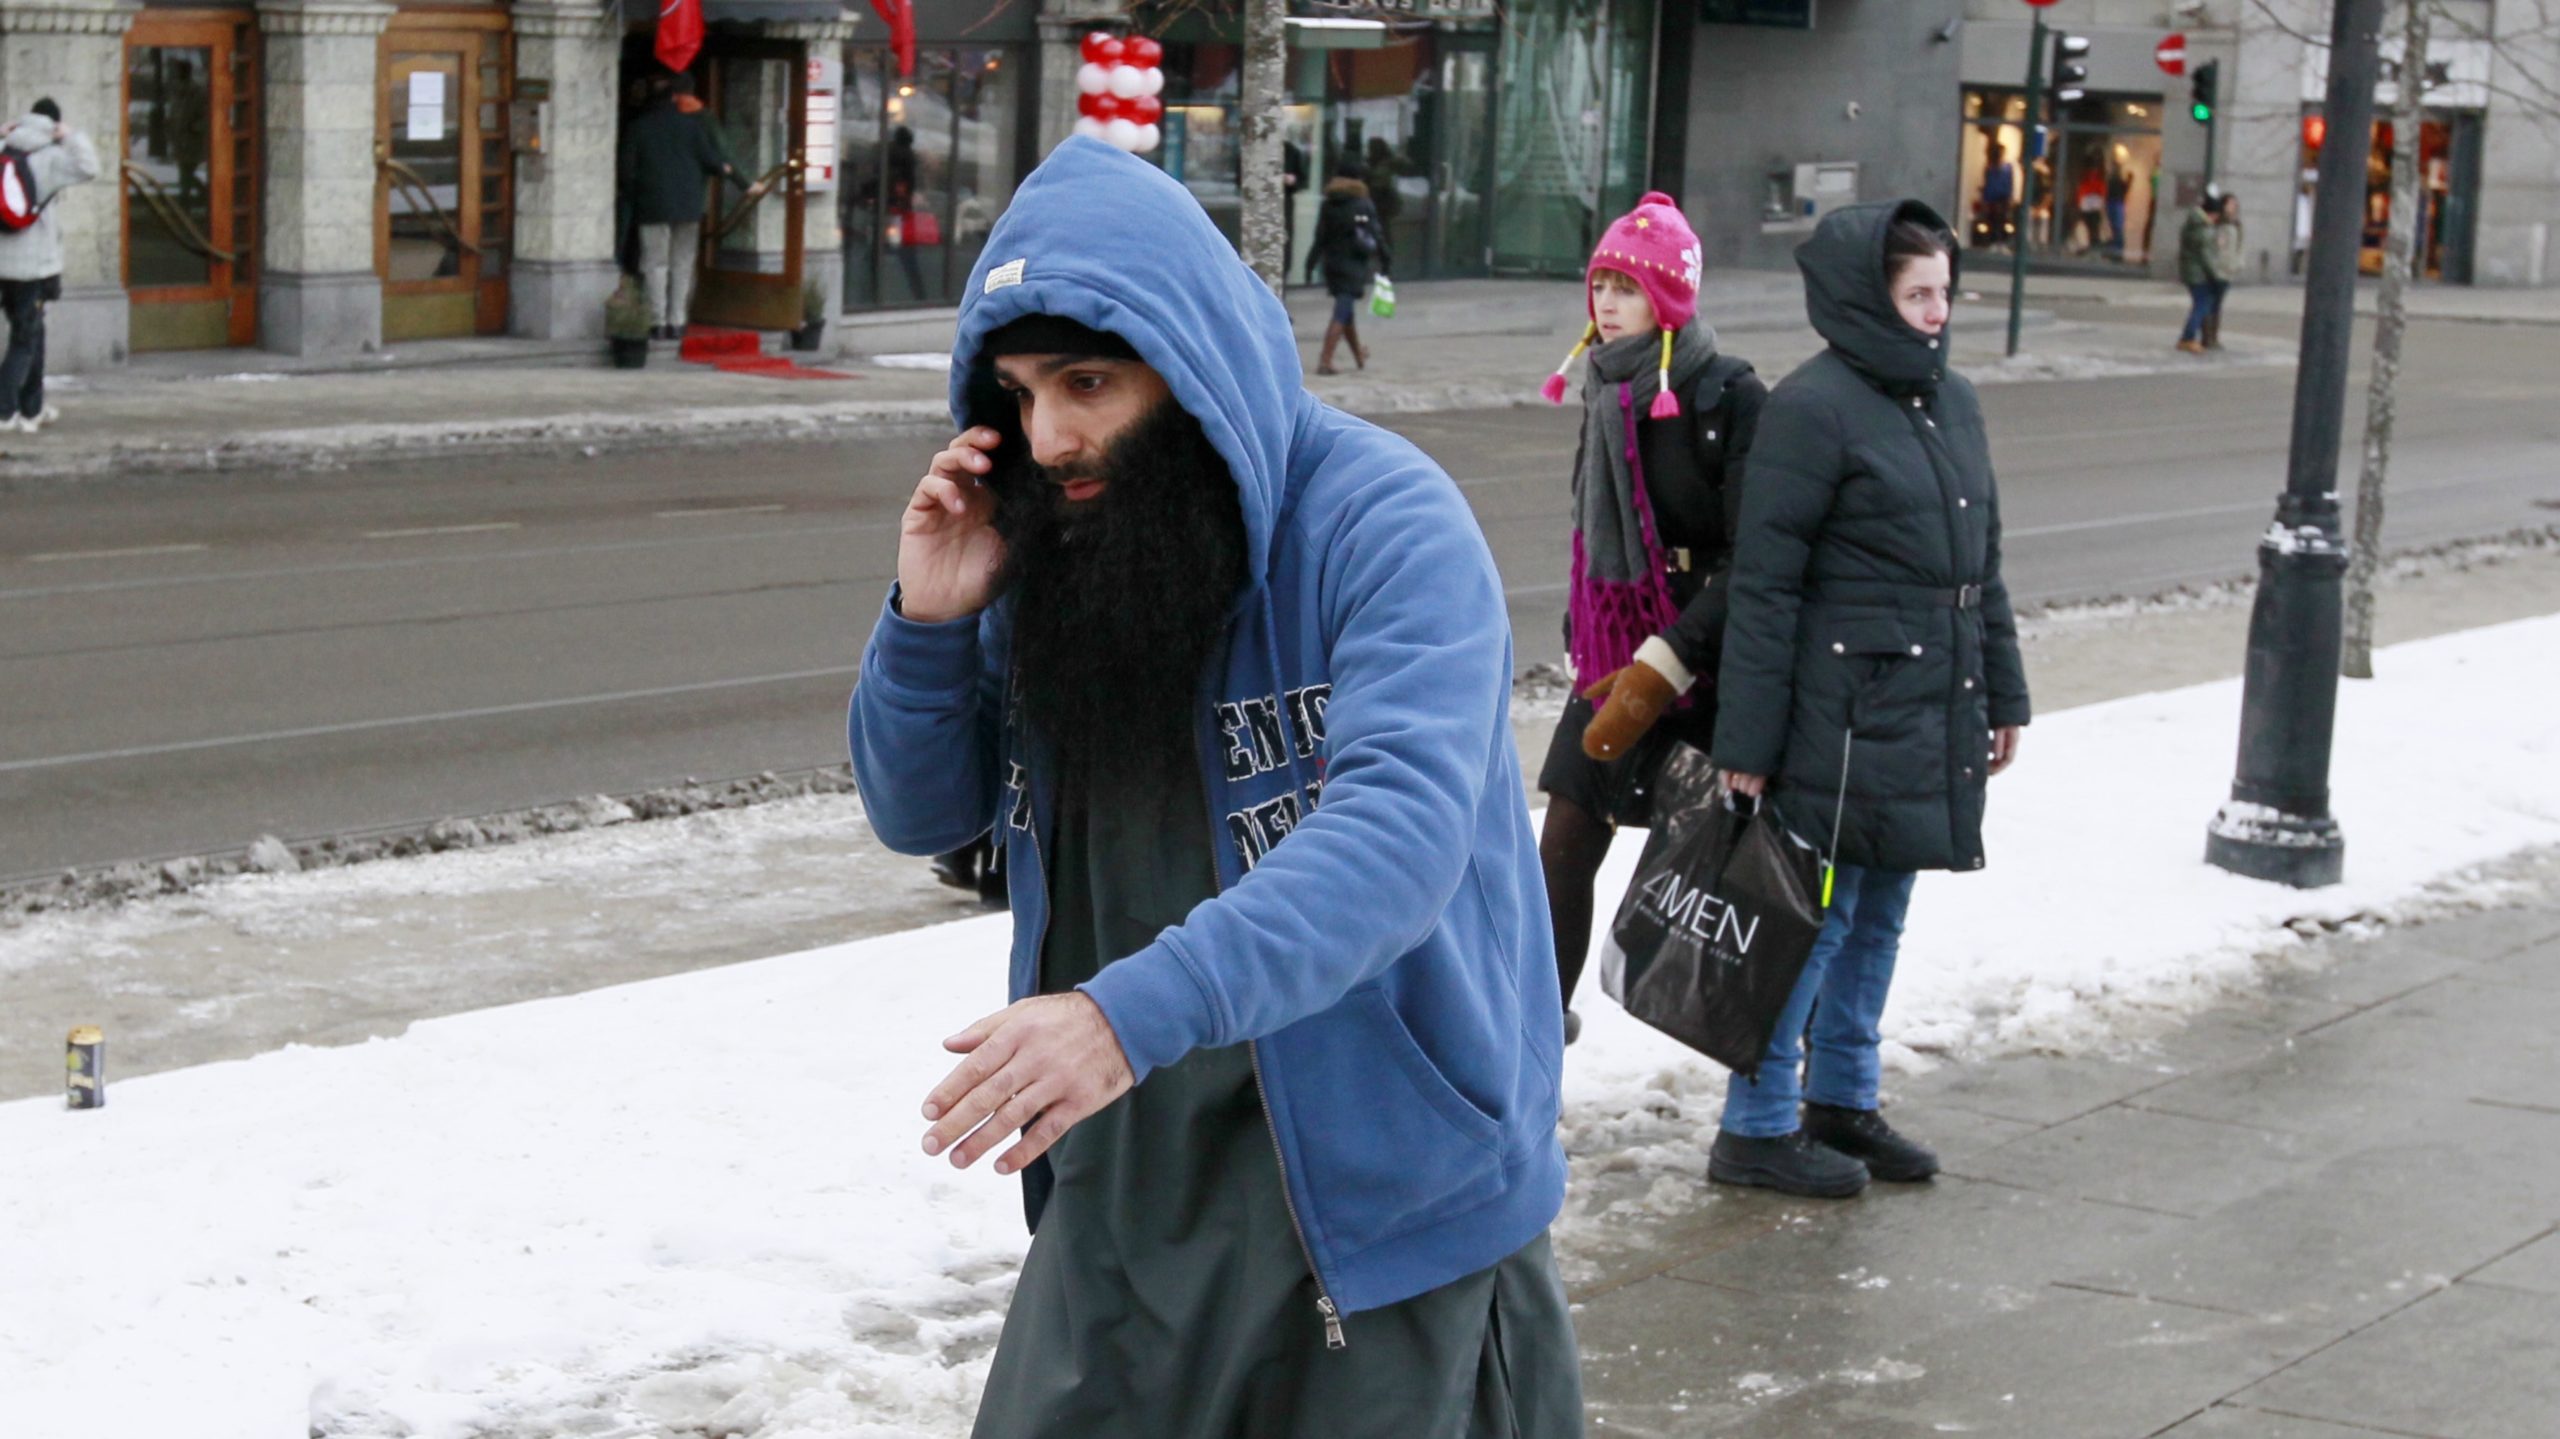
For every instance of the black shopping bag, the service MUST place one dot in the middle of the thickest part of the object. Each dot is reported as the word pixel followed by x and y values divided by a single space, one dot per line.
pixel 1724 910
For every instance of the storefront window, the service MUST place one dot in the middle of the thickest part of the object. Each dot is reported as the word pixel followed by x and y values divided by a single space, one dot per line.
pixel 1576 98
pixel 2096 190
pixel 1203 84
pixel 929 161
pixel 986 120
pixel 1411 115
pixel 1376 113
pixel 2448 178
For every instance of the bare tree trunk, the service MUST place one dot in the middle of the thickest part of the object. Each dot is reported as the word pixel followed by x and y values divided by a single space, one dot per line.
pixel 2391 319
pixel 1262 237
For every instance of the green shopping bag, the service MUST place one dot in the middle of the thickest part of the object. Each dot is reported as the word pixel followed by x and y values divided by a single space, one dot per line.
pixel 1382 298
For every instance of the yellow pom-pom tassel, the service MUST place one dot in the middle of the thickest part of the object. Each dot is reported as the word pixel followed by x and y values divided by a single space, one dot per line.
pixel 1554 388
pixel 1665 407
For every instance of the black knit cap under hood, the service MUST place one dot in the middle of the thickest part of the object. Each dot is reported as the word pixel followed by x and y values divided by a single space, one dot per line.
pixel 1055 335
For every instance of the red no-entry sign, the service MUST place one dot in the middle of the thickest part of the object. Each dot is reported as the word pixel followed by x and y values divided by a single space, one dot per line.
pixel 2172 55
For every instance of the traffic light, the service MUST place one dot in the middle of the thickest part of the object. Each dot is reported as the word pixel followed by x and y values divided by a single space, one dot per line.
pixel 2070 68
pixel 2201 84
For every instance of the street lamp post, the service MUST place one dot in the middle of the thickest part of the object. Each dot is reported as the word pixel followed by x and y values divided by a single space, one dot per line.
pixel 2277 825
pixel 2030 143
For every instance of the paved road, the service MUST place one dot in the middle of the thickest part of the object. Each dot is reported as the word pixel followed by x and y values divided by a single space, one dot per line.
pixel 190 664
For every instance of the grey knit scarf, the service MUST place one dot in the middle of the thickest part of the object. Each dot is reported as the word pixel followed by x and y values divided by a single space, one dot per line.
pixel 1604 491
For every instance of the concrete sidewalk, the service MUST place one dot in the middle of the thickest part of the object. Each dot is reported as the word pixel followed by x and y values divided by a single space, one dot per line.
pixel 2457 303
pixel 2327 1211
pixel 1454 344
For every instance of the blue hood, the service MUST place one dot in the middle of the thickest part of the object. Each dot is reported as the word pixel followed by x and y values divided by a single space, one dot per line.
pixel 1154 271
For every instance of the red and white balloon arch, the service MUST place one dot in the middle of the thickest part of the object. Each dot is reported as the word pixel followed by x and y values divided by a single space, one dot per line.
pixel 1118 86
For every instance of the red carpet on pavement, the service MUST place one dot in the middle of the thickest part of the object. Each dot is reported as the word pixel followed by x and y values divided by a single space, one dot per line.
pixel 741 352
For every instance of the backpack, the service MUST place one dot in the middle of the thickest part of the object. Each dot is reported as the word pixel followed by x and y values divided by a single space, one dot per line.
pixel 1364 240
pixel 19 204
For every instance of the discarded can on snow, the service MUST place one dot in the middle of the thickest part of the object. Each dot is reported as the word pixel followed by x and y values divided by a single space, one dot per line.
pixel 86 1061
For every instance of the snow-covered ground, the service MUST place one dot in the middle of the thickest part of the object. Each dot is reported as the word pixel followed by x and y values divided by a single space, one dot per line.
pixel 696 1205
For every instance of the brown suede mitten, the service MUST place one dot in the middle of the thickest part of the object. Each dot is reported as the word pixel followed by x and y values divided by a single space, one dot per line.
pixel 1630 701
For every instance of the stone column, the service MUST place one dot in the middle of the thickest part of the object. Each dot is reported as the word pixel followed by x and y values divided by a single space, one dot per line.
pixel 1063 25
pixel 317 290
pixel 821 237
pixel 563 264
pixel 73 51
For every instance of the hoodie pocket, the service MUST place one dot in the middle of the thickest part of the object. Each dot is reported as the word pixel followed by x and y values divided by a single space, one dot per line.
pixel 1389 1144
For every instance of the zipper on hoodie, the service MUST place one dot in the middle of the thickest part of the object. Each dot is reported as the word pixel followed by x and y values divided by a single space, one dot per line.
pixel 1039 941
pixel 1211 786
pixel 1325 1309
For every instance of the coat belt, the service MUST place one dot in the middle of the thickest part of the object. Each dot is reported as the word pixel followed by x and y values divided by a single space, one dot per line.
pixel 1886 592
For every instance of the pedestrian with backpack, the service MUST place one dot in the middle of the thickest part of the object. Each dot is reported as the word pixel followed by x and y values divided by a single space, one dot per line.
pixel 1871 683
pixel 39 158
pixel 1652 541
pixel 1351 249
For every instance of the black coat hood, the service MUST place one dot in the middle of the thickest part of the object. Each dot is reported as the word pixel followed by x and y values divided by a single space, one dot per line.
pixel 1851 305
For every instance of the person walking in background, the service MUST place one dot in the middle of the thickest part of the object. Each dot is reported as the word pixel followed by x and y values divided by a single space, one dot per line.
pixel 57 157
pixel 1652 538
pixel 2119 189
pixel 2229 245
pixel 1293 178
pixel 666 158
pixel 1383 168
pixel 2200 268
pixel 1350 248
pixel 1871 682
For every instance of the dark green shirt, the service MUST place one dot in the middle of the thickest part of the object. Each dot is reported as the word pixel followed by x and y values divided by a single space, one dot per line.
pixel 1166 1293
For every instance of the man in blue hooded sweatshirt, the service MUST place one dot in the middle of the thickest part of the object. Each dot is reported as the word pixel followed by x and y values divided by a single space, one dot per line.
pixel 1280 1076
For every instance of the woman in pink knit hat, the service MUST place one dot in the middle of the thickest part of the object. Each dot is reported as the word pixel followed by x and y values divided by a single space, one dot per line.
pixel 1657 483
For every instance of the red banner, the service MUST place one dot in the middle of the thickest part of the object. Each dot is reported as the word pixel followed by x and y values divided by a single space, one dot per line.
pixel 679 32
pixel 900 17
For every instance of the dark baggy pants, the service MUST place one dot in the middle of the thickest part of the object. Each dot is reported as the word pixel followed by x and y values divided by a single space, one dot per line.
pixel 22 371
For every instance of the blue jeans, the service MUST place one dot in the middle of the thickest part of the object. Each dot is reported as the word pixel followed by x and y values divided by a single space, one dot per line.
pixel 22 369
pixel 2204 300
pixel 1836 1004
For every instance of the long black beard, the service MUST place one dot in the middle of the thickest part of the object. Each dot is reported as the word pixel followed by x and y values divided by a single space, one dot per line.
pixel 1118 603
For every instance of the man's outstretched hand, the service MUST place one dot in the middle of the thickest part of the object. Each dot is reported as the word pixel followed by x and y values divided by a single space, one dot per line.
pixel 1040 1067
pixel 948 548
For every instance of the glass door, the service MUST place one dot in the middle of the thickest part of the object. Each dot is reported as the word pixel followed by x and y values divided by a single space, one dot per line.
pixel 1464 165
pixel 441 183
pixel 1551 166
pixel 751 242
pixel 189 175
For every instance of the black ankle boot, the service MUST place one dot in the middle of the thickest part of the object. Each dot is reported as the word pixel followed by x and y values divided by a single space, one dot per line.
pixel 1863 1135
pixel 1789 1164
pixel 958 869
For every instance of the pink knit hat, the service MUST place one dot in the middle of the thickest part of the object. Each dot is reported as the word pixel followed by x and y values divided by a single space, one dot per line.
pixel 1653 245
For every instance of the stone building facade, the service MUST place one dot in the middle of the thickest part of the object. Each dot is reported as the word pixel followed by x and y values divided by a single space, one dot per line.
pixel 323 178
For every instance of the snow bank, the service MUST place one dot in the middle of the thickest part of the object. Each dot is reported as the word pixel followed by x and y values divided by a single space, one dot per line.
pixel 697 1205
pixel 697 1200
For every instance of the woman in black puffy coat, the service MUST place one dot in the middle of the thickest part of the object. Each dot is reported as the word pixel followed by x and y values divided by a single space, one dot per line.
pixel 1350 249
pixel 1871 683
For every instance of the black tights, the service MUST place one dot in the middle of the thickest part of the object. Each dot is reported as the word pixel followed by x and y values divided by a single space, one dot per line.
pixel 1570 850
